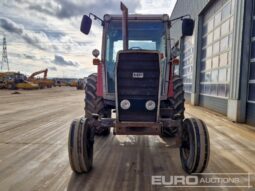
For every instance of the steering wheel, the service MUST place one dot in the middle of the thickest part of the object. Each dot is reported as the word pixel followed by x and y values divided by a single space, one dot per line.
pixel 135 48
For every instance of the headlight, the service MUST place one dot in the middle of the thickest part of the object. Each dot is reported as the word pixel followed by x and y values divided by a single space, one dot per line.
pixel 150 105
pixel 125 104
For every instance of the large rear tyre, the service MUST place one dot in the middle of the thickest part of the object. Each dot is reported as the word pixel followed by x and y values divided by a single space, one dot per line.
pixel 195 146
pixel 177 104
pixel 178 100
pixel 95 104
pixel 80 146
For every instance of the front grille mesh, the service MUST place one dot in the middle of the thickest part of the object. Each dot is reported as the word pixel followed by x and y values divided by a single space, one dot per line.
pixel 138 90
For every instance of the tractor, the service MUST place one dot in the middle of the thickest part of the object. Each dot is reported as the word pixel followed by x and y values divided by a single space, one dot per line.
pixel 135 79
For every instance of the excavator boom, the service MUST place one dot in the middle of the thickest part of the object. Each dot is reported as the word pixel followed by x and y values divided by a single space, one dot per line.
pixel 39 72
pixel 41 82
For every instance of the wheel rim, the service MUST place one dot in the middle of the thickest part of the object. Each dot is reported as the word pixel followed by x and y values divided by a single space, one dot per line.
pixel 187 147
pixel 195 145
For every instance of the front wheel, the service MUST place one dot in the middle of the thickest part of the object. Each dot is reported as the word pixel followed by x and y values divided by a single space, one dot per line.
pixel 80 146
pixel 195 146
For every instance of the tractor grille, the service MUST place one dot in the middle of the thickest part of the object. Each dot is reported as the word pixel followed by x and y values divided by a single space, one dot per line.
pixel 138 76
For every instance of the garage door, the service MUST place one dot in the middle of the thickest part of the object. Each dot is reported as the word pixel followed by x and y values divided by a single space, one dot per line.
pixel 216 55
pixel 188 51
pixel 251 94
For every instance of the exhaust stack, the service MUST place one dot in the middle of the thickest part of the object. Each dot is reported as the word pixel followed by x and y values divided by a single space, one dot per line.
pixel 124 10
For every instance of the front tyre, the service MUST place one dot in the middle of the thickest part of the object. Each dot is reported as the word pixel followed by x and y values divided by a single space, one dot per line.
pixel 80 146
pixel 195 146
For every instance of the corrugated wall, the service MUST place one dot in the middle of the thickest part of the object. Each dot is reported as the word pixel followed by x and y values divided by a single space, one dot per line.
pixel 251 105
pixel 213 103
pixel 251 113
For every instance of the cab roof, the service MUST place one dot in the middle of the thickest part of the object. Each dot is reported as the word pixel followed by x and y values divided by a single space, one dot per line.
pixel 163 17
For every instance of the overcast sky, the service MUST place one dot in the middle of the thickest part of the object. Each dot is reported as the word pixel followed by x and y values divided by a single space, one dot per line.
pixel 45 33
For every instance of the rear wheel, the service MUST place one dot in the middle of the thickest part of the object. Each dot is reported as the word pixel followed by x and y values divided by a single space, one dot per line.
pixel 176 103
pixel 95 104
pixel 80 146
pixel 178 100
pixel 195 146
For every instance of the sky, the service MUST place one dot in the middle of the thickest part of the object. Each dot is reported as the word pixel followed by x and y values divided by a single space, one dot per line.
pixel 46 33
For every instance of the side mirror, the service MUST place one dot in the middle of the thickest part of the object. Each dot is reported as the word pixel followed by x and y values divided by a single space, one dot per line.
pixel 85 24
pixel 187 27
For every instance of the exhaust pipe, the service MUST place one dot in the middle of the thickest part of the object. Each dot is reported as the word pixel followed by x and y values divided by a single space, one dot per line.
pixel 124 10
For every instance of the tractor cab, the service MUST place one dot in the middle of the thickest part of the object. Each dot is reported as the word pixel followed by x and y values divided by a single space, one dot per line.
pixel 145 33
pixel 134 32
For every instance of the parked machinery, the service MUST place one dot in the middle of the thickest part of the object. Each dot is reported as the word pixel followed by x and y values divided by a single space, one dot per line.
pixel 74 83
pixel 15 80
pixel 56 82
pixel 81 83
pixel 138 82
pixel 42 82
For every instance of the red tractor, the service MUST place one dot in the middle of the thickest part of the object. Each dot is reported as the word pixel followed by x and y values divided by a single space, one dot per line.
pixel 136 80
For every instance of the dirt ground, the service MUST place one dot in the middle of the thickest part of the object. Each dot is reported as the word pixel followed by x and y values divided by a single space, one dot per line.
pixel 34 127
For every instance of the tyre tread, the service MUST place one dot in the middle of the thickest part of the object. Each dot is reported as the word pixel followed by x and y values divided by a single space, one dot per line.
pixel 201 146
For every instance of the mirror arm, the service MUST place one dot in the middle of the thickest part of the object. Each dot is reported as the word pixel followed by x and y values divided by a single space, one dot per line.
pixel 177 18
pixel 181 17
pixel 96 18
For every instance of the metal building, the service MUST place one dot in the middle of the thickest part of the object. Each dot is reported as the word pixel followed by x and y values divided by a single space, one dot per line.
pixel 218 61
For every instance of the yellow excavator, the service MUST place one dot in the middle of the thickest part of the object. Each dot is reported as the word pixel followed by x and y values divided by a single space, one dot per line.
pixel 15 80
pixel 42 82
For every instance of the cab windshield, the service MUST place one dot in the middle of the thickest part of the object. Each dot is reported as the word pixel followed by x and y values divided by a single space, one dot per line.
pixel 145 35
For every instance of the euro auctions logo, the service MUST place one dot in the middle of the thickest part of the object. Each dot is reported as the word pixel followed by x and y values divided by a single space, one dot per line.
pixel 175 180
pixel 211 180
